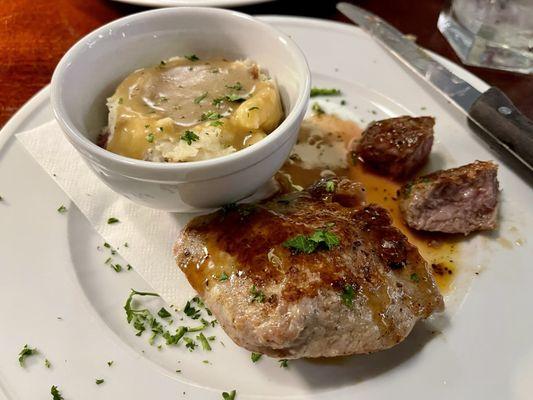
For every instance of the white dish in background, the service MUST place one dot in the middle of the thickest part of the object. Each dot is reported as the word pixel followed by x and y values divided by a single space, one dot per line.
pixel 50 267
pixel 193 3
pixel 146 38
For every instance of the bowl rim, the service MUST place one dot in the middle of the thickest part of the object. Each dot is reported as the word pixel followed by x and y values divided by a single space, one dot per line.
pixel 74 135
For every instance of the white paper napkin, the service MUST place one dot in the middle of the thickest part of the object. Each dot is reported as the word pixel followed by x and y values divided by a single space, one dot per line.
pixel 149 233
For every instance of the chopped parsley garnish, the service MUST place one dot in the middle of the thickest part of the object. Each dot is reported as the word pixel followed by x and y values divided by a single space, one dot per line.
pixel 324 92
pixel 216 123
pixel 347 295
pixel 253 108
pixel 110 363
pixel 283 363
pixel 256 295
pixel 107 245
pixel 223 277
pixel 237 86
pixel 163 313
pixel 99 381
pixel 62 209
pixel 132 313
pixel 210 116
pixel 191 311
pixel 229 396
pixel 203 341
pixel 343 102
pixel 308 244
pixel 112 220
pixel 317 109
pixel 116 267
pixel 163 63
pixel 414 277
pixel 26 352
pixel 330 186
pixel 189 137
pixel 235 97
pixel 192 57
pixel 190 343
pixel 255 357
pixel 120 100
pixel 129 267
pixel 47 363
pixel 218 101
pixel 150 138
pixel 56 395
pixel 174 339
pixel 200 98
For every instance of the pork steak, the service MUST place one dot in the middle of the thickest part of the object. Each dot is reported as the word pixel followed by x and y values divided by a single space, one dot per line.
pixel 396 147
pixel 314 273
pixel 457 200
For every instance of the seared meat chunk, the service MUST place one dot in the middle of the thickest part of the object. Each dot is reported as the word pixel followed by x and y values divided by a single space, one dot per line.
pixel 314 273
pixel 397 147
pixel 457 200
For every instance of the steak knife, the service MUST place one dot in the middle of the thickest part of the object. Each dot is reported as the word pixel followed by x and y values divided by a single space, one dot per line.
pixel 492 111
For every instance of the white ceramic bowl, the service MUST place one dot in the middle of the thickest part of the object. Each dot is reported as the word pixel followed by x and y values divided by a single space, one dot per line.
pixel 91 70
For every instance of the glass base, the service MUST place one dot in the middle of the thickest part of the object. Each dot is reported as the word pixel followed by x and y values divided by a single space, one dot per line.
pixel 489 46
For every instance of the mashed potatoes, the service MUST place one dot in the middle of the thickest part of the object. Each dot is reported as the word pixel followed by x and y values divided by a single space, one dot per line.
pixel 187 109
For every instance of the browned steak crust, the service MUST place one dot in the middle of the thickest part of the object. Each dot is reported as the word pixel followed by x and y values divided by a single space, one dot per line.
pixel 397 147
pixel 457 200
pixel 362 295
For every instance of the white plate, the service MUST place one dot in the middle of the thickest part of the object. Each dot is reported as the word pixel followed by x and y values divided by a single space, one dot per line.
pixel 50 267
pixel 193 3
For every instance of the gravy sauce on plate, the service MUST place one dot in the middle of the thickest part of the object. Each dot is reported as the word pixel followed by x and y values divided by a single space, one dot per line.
pixel 323 145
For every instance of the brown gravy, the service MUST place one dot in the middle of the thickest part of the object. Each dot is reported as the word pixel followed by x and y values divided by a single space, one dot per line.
pixel 321 134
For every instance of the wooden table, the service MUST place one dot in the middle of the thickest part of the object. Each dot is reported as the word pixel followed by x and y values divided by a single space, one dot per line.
pixel 35 34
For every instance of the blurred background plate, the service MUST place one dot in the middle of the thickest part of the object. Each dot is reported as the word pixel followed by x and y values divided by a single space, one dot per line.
pixel 193 3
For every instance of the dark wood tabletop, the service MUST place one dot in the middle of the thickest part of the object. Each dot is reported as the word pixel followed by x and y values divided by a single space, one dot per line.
pixel 35 34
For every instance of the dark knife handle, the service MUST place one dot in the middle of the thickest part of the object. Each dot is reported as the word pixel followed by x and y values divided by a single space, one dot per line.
pixel 496 113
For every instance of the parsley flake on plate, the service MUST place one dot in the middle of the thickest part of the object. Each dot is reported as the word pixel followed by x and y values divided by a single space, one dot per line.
pixel 163 313
pixel 62 209
pixel 190 311
pixel 317 109
pixel 56 394
pixel 414 277
pixel 25 353
pixel 283 363
pixel 315 91
pixel 150 138
pixel 255 357
pixel 47 363
pixel 229 396
pixel 112 220
pixel 99 381
pixel 203 341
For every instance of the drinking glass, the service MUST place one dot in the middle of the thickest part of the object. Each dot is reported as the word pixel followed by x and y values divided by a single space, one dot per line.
pixel 491 33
